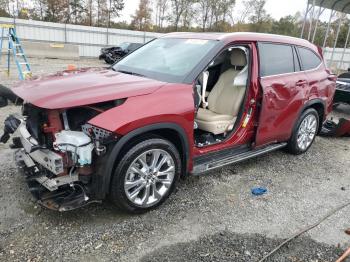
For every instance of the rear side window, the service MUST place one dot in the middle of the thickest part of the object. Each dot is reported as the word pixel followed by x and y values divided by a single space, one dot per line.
pixel 309 59
pixel 275 59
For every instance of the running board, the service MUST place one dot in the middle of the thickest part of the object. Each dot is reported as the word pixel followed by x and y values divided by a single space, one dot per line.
pixel 231 159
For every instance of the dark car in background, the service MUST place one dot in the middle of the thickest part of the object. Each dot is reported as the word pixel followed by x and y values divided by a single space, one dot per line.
pixel 115 53
pixel 342 92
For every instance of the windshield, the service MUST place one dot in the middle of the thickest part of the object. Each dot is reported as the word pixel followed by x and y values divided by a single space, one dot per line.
pixel 166 59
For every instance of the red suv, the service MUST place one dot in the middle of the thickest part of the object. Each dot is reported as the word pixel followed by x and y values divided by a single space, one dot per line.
pixel 182 104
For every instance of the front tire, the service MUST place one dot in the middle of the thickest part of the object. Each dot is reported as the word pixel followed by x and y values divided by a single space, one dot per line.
pixel 304 132
pixel 146 175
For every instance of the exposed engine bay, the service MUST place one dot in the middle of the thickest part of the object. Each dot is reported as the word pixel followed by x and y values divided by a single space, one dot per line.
pixel 57 151
pixel 65 133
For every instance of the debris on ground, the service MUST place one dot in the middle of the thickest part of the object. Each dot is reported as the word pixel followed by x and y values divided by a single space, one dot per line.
pixel 331 128
pixel 258 191
pixel 344 256
pixel 347 231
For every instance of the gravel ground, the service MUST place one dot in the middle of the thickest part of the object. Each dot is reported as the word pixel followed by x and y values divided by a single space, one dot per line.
pixel 209 218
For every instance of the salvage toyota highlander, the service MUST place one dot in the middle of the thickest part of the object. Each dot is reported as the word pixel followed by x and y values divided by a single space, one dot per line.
pixel 181 104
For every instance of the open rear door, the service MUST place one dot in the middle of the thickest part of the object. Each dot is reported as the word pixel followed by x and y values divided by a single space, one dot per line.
pixel 283 86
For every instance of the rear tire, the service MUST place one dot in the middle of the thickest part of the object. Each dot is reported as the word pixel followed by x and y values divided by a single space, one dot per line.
pixel 146 175
pixel 304 132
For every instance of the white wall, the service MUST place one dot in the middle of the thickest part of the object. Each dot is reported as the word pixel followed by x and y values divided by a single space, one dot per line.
pixel 89 39
pixel 327 53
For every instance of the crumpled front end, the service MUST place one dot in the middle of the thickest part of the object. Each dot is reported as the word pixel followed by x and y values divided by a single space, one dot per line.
pixel 58 152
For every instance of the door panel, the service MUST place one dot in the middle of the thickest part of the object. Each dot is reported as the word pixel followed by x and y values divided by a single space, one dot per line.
pixel 283 96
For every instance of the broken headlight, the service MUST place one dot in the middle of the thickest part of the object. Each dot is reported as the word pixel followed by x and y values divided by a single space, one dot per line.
pixel 98 134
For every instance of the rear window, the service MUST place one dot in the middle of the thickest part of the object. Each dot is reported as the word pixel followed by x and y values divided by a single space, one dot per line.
pixel 275 59
pixel 308 58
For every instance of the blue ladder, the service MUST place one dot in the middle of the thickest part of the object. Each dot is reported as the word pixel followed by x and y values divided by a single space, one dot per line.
pixel 14 46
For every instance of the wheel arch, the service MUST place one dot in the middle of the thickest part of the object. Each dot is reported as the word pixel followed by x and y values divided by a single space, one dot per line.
pixel 320 106
pixel 170 131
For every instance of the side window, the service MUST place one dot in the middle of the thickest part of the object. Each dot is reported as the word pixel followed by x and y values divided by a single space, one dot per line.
pixel 275 59
pixel 308 58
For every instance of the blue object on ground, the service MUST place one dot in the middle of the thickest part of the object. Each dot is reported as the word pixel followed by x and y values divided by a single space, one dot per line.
pixel 258 191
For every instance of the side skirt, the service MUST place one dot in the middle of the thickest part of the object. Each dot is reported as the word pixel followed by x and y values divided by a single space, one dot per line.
pixel 223 160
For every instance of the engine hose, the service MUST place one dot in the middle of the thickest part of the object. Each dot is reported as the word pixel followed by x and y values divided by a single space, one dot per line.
pixel 329 214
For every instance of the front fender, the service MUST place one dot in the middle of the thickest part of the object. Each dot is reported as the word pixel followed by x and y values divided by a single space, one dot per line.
pixel 172 103
pixel 171 107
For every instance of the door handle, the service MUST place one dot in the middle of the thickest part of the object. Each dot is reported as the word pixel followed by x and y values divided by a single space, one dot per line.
pixel 301 82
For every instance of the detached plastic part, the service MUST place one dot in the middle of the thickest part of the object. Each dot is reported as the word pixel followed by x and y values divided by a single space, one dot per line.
pixel 11 124
pixel 258 191
pixel 332 129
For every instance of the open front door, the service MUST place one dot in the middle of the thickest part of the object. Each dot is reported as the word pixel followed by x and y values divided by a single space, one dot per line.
pixel 283 86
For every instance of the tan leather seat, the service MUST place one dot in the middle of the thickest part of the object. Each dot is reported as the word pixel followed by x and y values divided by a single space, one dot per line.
pixel 226 97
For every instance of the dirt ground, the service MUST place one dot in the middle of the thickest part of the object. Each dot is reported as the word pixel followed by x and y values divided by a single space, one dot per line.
pixel 209 218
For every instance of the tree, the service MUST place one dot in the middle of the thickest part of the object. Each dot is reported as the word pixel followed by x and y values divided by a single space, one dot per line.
pixel 204 11
pixel 115 7
pixel 245 12
pixel 161 8
pixel 286 26
pixel 218 15
pixel 89 12
pixel 142 18
pixel 257 15
pixel 56 11
pixel 102 13
pixel 40 8
pixel 76 11
pixel 188 14
pixel 5 8
pixel 179 7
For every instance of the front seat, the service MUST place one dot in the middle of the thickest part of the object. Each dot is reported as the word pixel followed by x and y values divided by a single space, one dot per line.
pixel 226 97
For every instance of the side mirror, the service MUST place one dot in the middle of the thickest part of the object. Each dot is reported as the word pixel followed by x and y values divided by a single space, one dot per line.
pixel 3 101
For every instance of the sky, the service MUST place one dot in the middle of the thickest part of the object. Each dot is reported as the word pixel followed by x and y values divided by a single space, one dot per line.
pixel 276 8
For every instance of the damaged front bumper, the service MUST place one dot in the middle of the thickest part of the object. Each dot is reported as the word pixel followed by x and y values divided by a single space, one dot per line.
pixel 52 183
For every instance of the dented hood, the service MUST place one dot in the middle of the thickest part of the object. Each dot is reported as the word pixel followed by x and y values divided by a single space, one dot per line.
pixel 83 87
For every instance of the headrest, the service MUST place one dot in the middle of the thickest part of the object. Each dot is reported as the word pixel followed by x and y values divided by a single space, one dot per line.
pixel 238 57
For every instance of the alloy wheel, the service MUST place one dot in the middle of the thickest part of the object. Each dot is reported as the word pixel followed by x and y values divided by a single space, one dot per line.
pixel 149 177
pixel 307 132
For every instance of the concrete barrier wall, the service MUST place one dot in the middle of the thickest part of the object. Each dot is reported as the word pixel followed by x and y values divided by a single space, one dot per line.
pixel 89 40
pixel 51 50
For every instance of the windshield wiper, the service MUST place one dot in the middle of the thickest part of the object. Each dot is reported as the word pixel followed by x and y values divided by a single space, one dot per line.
pixel 130 73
